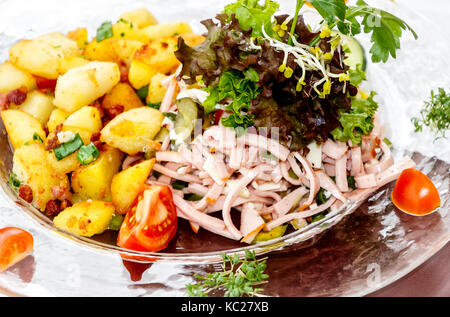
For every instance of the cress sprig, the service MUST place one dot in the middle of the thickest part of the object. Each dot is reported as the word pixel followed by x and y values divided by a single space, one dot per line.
pixel 239 277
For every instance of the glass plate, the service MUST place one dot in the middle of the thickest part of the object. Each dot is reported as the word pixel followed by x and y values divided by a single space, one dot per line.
pixel 348 253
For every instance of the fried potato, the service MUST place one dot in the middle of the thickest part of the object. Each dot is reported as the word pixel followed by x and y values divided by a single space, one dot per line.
pixel 126 185
pixel 80 36
pixel 158 31
pixel 39 105
pixel 86 218
pixel 21 127
pixel 57 117
pixel 32 168
pixel 83 85
pixel 139 17
pixel 85 122
pixel 122 95
pixel 132 130
pixel 42 55
pixel 93 181
pixel 12 78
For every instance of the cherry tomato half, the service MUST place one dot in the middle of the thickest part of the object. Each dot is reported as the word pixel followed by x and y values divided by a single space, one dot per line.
pixel 414 193
pixel 151 222
pixel 15 245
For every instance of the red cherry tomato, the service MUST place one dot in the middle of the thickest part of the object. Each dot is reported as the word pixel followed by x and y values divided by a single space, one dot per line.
pixel 15 245
pixel 414 193
pixel 151 222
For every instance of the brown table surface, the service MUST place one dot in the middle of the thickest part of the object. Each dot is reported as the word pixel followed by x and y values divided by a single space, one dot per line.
pixel 431 279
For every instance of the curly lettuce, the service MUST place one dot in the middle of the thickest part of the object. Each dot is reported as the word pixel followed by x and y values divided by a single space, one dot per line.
pixel 358 121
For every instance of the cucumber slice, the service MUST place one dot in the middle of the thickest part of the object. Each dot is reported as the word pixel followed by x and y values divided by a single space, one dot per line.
pixel 272 234
pixel 187 114
pixel 356 54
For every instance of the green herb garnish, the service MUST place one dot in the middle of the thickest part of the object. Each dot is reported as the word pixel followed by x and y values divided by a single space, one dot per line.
pixel 88 154
pixel 386 29
pixel 322 196
pixel 13 181
pixel 154 105
pixel 37 137
pixel 435 114
pixel 115 222
pixel 68 148
pixel 239 277
pixel 104 31
pixel 143 92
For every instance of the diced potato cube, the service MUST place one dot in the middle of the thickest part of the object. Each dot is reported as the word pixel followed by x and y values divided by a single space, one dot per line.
pixel 70 62
pixel 140 17
pixel 83 85
pixel 66 165
pixel 57 117
pixel 101 51
pixel 126 185
pixel 32 168
pixel 156 90
pixel 127 30
pixel 39 105
pixel 42 55
pixel 21 127
pixel 85 121
pixel 158 31
pixel 86 218
pixel 122 95
pixel 140 74
pixel 159 55
pixel 124 49
pixel 12 78
pixel 132 130
pixel 80 36
pixel 93 181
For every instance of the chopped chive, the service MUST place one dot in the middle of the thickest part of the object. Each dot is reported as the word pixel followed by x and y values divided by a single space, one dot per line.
pixel 68 148
pixel 154 105
pixel 179 185
pixel 116 222
pixel 88 154
pixel 13 181
pixel 37 137
pixel 143 92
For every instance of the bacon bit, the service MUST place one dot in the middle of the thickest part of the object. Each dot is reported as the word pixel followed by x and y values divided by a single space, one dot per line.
pixel 17 96
pixel 96 136
pixel 26 193
pixel 114 111
pixel 375 146
pixel 53 208
pixel 52 141
pixel 217 115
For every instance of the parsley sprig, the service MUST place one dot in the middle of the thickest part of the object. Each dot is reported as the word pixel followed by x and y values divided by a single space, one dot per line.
pixel 239 277
pixel 435 114
pixel 385 28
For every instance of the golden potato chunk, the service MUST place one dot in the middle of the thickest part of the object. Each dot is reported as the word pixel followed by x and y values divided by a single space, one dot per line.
pixel 80 36
pixel 85 122
pixel 57 117
pixel 12 78
pixel 39 105
pixel 32 168
pixel 122 95
pixel 158 31
pixel 42 55
pixel 140 18
pixel 83 85
pixel 132 130
pixel 93 181
pixel 21 127
pixel 126 185
pixel 86 218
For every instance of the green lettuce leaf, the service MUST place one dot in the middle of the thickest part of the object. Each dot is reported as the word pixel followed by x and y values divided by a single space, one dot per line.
pixel 357 122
